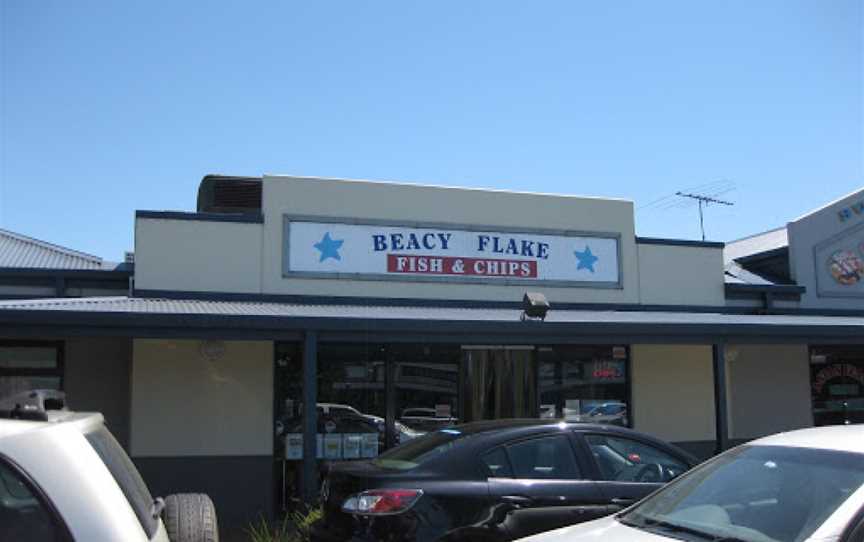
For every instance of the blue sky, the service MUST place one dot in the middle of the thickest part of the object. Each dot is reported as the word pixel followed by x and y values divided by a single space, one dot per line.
pixel 108 107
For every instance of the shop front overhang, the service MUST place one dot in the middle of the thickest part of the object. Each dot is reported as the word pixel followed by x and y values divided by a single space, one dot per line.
pixel 174 318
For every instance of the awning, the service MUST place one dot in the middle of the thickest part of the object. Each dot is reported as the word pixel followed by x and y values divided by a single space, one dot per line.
pixel 146 317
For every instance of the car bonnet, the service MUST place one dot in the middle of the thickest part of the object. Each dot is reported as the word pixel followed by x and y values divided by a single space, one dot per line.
pixel 607 529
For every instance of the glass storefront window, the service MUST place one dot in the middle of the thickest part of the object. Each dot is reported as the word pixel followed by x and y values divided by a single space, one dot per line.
pixel 288 393
pixel 29 366
pixel 420 388
pixel 584 383
pixel 426 388
pixel 837 384
pixel 498 382
pixel 28 357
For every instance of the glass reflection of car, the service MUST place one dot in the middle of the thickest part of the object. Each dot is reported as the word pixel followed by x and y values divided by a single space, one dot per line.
pixel 425 419
pixel 347 419
pixel 491 481
pixel 804 485
pixel 612 413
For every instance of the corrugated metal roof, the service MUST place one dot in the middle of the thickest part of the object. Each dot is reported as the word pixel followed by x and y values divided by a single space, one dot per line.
pixel 756 244
pixel 188 307
pixel 20 251
pixel 735 274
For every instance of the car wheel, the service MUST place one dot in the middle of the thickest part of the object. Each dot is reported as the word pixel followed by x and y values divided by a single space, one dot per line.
pixel 190 517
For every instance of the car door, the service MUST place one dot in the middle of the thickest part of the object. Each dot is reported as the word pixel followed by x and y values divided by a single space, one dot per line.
pixel 540 485
pixel 628 469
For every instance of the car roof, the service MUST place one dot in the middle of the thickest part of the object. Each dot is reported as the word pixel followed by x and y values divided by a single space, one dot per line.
pixel 846 438
pixel 9 427
pixel 507 429
pixel 527 423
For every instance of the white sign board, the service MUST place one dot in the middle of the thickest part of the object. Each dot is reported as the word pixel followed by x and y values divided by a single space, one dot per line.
pixel 369 446
pixel 294 446
pixel 337 249
pixel 351 445
pixel 333 446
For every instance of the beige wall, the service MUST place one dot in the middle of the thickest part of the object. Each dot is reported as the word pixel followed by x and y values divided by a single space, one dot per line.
pixel 681 275
pixel 208 256
pixel 768 388
pixel 203 256
pixel 673 391
pixel 408 203
pixel 186 405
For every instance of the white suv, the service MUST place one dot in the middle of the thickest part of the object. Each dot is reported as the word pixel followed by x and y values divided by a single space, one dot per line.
pixel 64 478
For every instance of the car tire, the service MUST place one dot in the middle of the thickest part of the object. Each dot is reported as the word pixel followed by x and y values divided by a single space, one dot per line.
pixel 190 517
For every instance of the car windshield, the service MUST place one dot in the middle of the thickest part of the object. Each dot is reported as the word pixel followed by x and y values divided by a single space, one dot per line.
pixel 419 450
pixel 753 494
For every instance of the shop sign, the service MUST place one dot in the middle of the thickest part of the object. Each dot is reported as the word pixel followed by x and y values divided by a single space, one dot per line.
pixel 334 249
pixel 840 264
pixel 608 370
pixel 837 370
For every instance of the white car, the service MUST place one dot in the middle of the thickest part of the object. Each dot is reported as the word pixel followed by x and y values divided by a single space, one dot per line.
pixel 805 485
pixel 63 477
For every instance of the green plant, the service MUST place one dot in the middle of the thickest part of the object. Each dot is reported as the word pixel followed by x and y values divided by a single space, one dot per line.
pixel 303 521
pixel 294 527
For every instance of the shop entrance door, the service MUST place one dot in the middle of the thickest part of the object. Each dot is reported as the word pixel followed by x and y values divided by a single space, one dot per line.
pixel 498 382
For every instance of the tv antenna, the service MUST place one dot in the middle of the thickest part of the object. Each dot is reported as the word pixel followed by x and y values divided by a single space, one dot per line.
pixel 703 200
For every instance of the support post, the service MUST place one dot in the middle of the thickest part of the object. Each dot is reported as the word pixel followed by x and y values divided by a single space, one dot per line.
pixel 310 418
pixel 721 411
pixel 390 439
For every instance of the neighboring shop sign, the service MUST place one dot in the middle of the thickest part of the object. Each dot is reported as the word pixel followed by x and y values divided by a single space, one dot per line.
pixel 335 249
pixel 840 374
pixel 848 213
pixel 840 264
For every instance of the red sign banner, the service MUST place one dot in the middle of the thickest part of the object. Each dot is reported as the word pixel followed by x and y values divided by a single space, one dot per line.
pixel 446 265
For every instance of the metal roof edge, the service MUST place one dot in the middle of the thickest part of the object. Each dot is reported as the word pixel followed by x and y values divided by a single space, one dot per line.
pixel 421 184
pixel 765 254
pixel 679 242
pixel 245 218
pixel 121 271
pixel 772 230
pixel 51 246
pixel 87 323
pixel 762 288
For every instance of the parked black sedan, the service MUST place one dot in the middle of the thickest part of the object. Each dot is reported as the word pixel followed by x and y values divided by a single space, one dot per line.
pixel 495 480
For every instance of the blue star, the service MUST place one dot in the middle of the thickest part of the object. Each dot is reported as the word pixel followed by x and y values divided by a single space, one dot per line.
pixel 329 247
pixel 586 259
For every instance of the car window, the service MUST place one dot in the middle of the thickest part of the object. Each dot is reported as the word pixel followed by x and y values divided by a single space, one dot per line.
pixel 23 516
pixel 626 460
pixel 126 476
pixel 855 530
pixel 543 458
pixel 756 493
pixel 417 451
pixel 496 464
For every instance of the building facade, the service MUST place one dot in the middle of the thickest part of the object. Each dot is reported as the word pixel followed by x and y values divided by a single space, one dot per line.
pixel 398 309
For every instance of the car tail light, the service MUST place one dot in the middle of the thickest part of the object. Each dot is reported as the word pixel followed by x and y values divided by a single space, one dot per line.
pixel 381 502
